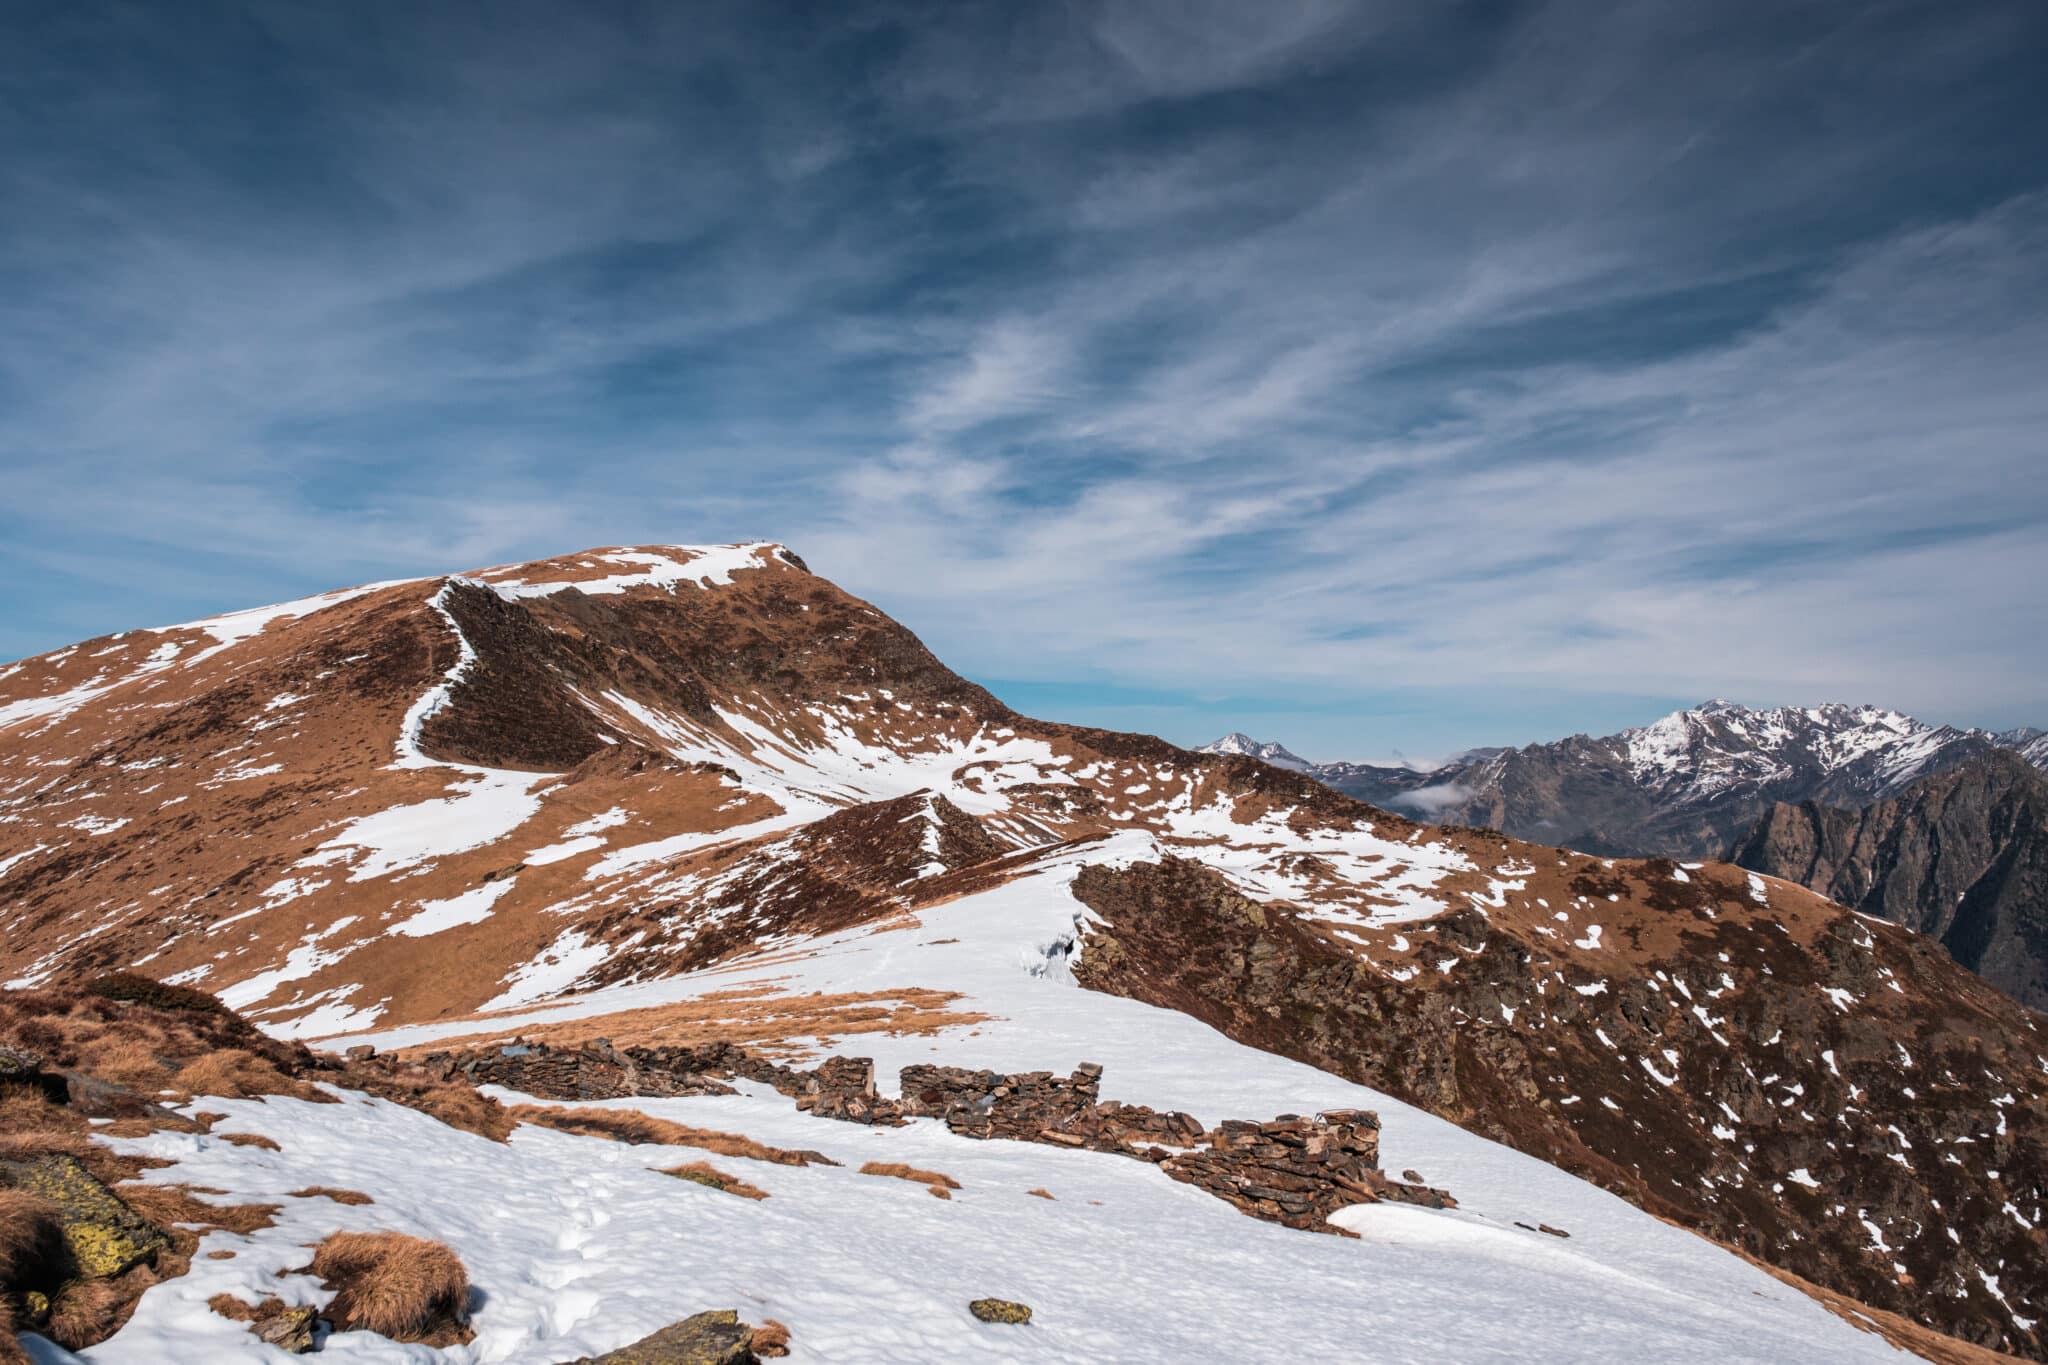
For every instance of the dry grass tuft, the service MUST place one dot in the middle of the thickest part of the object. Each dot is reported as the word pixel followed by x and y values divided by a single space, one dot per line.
pixel 756 1017
pixel 455 1104
pixel 131 986
pixel 234 1073
pixel 170 1207
pixel 232 1308
pixel 125 1058
pixel 404 1288
pixel 632 1126
pixel 771 1338
pixel 704 1173
pixel 30 1125
pixel 328 1192
pixel 940 1185
pixel 33 1253
pixel 250 1140
pixel 88 1311
pixel 1042 1194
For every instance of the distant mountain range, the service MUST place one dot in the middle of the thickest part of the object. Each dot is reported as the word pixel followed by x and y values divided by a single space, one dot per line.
pixel 1840 798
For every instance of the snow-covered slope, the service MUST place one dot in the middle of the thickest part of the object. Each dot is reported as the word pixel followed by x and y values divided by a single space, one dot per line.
pixel 577 1246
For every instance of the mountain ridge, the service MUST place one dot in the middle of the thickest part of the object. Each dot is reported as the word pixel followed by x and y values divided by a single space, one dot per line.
pixel 670 778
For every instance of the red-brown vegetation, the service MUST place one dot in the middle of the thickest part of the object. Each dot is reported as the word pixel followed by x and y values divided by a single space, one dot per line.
pixel 405 1288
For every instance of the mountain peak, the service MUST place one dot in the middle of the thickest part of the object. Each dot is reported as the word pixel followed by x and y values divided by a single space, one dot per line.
pixel 1237 742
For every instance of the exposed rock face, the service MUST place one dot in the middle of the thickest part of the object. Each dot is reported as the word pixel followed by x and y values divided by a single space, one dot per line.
pixel 1961 857
pixel 1785 1077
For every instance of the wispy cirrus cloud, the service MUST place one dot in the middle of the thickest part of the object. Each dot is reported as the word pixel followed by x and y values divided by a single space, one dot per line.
pixel 1404 378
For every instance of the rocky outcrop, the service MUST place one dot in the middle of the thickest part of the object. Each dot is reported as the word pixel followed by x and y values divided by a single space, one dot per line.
pixel 1037 1106
pixel 1961 856
pixel 592 1071
pixel 105 1237
pixel 714 1338
pixel 1296 1171
pixel 1785 1094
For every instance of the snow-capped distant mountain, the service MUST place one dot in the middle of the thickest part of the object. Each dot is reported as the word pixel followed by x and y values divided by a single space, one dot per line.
pixel 2029 742
pixel 1685 785
pixel 1279 755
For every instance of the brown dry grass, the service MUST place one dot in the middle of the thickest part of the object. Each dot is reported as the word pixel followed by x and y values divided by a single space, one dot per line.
pixel 704 1173
pixel 250 1140
pixel 632 1126
pixel 328 1192
pixel 33 1254
pixel 234 1309
pixel 755 1017
pixel 939 1184
pixel 771 1338
pixel 172 1206
pixel 25 1111
pixel 88 1311
pixel 404 1288
pixel 1042 1194
pixel 125 1058
pixel 452 1102
pixel 233 1073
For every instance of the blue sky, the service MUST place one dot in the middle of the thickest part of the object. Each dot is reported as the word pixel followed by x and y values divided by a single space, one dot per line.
pixel 1373 377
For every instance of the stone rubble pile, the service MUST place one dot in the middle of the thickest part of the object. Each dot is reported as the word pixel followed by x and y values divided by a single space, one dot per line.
pixel 593 1071
pixel 1037 1106
pixel 1298 1171
pixel 1294 1171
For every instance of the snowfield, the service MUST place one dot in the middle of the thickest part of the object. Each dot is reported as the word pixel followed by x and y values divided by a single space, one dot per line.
pixel 578 1246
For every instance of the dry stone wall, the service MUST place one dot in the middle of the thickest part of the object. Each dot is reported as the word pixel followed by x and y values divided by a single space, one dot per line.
pixel 1294 1171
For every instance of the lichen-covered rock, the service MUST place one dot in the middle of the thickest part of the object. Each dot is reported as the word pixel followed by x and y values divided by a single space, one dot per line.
pixel 1000 1310
pixel 288 1329
pixel 714 1338
pixel 106 1237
